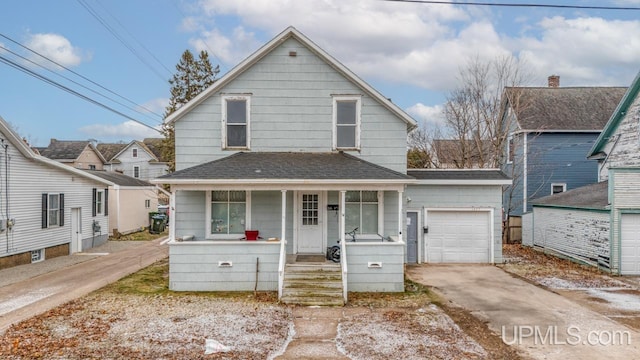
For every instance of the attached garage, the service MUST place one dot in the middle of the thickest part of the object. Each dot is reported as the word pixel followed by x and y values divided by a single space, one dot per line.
pixel 630 244
pixel 458 215
pixel 458 236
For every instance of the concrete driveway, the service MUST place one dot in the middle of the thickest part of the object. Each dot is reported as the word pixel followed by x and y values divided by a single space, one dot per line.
pixel 32 296
pixel 542 324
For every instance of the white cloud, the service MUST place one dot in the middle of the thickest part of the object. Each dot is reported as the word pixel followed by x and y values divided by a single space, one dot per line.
pixel 55 47
pixel 229 49
pixel 427 115
pixel 157 106
pixel 123 131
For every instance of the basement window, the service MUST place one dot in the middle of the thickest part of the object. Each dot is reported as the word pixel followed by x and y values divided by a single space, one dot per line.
pixel 37 255
pixel 557 188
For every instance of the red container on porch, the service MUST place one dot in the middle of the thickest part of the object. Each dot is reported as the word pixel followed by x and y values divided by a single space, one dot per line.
pixel 251 234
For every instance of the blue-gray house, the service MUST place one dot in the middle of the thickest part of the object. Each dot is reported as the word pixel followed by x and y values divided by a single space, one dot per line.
pixel 551 130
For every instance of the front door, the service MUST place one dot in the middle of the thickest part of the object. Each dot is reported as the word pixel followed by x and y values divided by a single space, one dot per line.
pixel 412 237
pixel 310 223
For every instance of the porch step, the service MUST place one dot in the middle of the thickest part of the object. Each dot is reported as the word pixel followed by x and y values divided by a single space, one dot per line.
pixel 313 284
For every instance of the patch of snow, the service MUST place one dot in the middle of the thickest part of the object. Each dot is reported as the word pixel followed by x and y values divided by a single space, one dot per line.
pixel 618 300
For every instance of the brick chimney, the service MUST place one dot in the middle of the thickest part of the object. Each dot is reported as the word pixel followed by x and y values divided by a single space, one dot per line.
pixel 554 81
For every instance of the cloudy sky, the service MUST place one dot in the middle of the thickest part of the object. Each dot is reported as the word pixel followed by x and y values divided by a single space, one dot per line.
pixel 122 53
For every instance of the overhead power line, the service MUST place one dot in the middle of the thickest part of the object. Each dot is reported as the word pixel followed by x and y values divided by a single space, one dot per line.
pixel 79 75
pixel 557 6
pixel 69 90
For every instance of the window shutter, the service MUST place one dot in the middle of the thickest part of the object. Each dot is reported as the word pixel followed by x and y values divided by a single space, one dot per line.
pixel 45 220
pixel 61 209
pixel 94 208
pixel 106 202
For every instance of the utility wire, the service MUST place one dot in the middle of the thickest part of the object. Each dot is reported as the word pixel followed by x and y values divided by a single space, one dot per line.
pixel 134 38
pixel 81 85
pixel 69 90
pixel 119 38
pixel 557 6
pixel 80 75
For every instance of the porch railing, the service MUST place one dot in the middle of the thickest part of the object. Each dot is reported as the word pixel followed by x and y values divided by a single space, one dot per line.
pixel 343 265
pixel 281 265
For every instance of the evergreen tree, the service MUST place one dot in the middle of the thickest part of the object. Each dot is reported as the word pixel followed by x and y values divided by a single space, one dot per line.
pixel 191 78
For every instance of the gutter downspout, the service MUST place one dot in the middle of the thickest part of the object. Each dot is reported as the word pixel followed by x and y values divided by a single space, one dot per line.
pixel 117 193
pixel 524 172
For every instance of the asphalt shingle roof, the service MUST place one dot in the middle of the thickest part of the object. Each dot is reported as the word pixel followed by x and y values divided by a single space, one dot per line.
pixel 565 108
pixel 64 149
pixel 594 196
pixel 480 174
pixel 288 165
pixel 119 179
pixel 110 150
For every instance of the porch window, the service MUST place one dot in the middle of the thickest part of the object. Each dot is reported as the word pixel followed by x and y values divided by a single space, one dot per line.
pixel 228 212
pixel 346 121
pixel 235 122
pixel 361 211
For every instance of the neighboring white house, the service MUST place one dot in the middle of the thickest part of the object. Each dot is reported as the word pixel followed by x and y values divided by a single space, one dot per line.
pixel 600 224
pixel 130 201
pixel 134 159
pixel 47 209
pixel 292 144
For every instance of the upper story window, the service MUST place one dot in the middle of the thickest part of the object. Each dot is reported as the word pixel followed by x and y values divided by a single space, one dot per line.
pixel 235 121
pixel 92 167
pixel 136 172
pixel 346 122
pixel 134 153
pixel 510 150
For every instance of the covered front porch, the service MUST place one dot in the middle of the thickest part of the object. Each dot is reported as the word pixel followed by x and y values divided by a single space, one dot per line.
pixel 214 222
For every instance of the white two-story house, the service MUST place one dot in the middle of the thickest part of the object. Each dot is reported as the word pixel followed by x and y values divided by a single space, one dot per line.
pixel 294 146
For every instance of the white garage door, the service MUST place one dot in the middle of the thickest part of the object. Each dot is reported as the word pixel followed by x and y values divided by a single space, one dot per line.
pixel 630 244
pixel 458 237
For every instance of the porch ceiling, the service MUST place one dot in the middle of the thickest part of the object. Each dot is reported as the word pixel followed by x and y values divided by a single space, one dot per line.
pixel 278 168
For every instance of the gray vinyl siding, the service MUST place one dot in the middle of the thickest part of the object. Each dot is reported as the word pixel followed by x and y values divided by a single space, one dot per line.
pixel 388 278
pixel 291 110
pixel 462 197
pixel 626 151
pixel 624 196
pixel 559 158
pixel 190 214
pixel 148 170
pixel 194 266
pixel 266 215
pixel 28 180
pixel 579 234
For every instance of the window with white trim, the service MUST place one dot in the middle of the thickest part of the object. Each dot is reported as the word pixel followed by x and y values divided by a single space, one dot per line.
pixel 99 202
pixel 136 172
pixel 147 203
pixel 227 212
pixel 361 211
pixel 52 210
pixel 37 255
pixel 510 150
pixel 134 152
pixel 346 122
pixel 235 121
pixel 557 188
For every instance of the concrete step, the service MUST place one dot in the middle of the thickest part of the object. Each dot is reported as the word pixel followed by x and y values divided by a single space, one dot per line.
pixel 312 284
pixel 315 267
pixel 315 300
pixel 312 276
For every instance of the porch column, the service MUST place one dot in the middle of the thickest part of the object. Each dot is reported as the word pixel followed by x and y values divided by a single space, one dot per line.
pixel 284 216
pixel 400 192
pixel 172 215
pixel 342 217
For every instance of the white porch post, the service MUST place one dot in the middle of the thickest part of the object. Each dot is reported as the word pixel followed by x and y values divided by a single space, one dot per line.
pixel 172 215
pixel 284 216
pixel 342 217
pixel 400 192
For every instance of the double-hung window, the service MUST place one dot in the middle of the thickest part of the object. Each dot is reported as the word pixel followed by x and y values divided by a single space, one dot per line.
pixel 227 213
pixel 136 172
pixel 361 211
pixel 134 152
pixel 52 210
pixel 346 122
pixel 235 121
pixel 510 150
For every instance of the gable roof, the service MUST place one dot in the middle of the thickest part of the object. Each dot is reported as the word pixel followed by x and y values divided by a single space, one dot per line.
pixel 286 166
pixel 616 117
pixel 28 153
pixel 564 108
pixel 291 32
pixel 155 146
pixel 594 196
pixel 68 150
pixel 119 179
pixel 109 151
